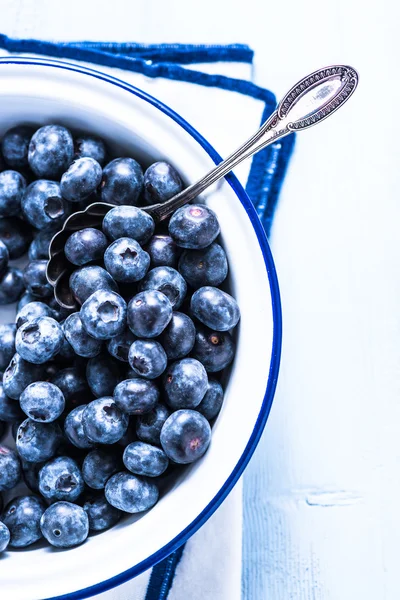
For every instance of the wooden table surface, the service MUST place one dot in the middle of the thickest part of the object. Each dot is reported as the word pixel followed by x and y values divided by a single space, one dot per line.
pixel 321 493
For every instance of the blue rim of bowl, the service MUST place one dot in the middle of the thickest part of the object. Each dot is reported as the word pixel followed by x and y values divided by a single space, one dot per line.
pixel 184 535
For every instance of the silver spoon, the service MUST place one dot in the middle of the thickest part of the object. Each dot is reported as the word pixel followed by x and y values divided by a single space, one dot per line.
pixel 307 103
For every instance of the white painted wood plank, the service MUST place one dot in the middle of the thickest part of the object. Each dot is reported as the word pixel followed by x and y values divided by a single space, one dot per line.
pixel 321 489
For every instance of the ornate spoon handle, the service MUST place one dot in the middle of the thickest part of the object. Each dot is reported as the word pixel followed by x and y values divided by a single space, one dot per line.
pixel 310 101
pixel 307 103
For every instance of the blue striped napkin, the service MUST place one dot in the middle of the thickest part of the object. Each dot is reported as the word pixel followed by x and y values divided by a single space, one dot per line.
pixel 217 89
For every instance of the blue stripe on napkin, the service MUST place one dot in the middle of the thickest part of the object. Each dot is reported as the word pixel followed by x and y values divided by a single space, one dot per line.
pixel 267 170
pixel 162 576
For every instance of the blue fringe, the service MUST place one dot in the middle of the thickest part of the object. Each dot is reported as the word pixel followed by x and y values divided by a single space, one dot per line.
pixel 174 53
pixel 137 65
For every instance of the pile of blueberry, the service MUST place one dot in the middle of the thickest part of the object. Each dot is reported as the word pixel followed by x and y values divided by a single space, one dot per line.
pixel 106 403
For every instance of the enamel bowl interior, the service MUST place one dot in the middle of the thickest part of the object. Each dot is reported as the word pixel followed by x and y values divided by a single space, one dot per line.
pixel 136 125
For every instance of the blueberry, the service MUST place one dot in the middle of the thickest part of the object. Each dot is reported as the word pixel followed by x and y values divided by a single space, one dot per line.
pixel 72 382
pixel 91 146
pixel 103 421
pixel 168 281
pixel 11 285
pixel 215 309
pixel 100 513
pixel 82 343
pixel 61 479
pixel 136 396
pixel 130 222
pixel 51 150
pixel 16 235
pixel 32 311
pixel 163 251
pixel 161 182
pixel 149 313
pixel 40 340
pixel 12 187
pixel 149 425
pixel 22 516
pixel 39 247
pixel 37 442
pixel 81 179
pixel 7 344
pixel 19 374
pixel 15 144
pixel 35 279
pixel 4 537
pixel 214 349
pixel 194 226
pixel 211 404
pixel 4 258
pixel 25 299
pixel 73 428
pixel 130 493
pixel 87 280
pixel 10 468
pixel 122 181
pixel 185 436
pixel 30 473
pixel 144 459
pixel 178 337
pixel 42 401
pixel 85 246
pixel 103 374
pixel 98 467
pixel 147 358
pixel 119 345
pixel 185 383
pixel 65 525
pixel 10 410
pixel 2 162
pixel 103 314
pixel 204 267
pixel 43 206
pixel 125 260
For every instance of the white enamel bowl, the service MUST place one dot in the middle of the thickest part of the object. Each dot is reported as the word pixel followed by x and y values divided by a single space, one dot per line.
pixel 136 124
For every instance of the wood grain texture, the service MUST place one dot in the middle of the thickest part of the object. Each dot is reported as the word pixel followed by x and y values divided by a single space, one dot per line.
pixel 320 491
